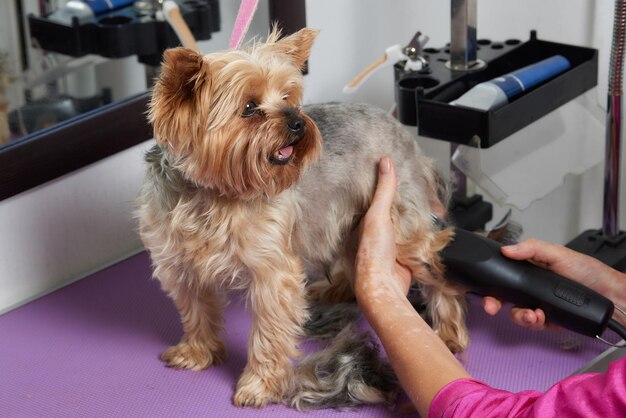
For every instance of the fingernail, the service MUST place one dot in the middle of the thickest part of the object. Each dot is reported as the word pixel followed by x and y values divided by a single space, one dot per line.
pixel 385 165
pixel 528 318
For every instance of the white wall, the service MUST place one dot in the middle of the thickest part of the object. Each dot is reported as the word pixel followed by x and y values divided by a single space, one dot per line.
pixel 60 231
pixel 68 228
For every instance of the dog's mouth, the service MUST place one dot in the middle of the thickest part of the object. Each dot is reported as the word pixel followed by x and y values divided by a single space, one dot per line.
pixel 284 154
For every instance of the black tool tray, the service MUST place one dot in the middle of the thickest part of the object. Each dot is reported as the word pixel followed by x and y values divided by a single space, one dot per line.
pixel 423 97
pixel 125 32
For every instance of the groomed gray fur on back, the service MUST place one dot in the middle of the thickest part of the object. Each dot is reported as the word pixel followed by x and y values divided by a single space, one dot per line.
pixel 337 189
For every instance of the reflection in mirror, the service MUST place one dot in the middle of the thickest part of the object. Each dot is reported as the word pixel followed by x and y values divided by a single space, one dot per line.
pixel 68 89
pixel 60 58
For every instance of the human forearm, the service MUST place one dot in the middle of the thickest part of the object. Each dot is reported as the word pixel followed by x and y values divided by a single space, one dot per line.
pixel 422 362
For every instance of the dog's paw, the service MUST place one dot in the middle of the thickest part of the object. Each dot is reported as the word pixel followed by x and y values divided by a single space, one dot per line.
pixel 193 357
pixel 252 391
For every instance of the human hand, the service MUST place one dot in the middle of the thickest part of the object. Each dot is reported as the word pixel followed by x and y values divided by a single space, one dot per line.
pixel 528 318
pixel 581 268
pixel 376 267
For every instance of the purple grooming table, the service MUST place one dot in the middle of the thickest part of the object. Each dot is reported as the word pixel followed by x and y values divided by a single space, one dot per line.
pixel 92 349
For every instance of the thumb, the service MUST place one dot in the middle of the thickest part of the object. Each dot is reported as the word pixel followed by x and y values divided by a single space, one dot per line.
pixel 386 186
pixel 517 251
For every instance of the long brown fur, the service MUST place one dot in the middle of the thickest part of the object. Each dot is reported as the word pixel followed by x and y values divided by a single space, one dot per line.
pixel 268 200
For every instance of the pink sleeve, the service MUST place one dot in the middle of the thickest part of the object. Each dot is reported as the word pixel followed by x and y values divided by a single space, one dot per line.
pixel 585 395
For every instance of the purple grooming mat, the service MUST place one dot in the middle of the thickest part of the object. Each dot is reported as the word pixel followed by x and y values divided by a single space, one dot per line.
pixel 92 349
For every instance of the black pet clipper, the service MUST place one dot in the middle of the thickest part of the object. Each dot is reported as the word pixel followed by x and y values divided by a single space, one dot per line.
pixel 476 263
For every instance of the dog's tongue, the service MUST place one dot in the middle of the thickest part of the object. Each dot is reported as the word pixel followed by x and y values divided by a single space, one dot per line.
pixel 286 152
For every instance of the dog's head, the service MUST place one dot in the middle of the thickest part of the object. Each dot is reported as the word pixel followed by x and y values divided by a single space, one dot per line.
pixel 232 120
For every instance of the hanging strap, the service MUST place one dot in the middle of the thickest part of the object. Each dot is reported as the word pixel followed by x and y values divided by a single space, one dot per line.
pixel 244 18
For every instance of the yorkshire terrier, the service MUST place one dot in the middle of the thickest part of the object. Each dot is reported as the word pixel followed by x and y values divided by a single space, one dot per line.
pixel 247 189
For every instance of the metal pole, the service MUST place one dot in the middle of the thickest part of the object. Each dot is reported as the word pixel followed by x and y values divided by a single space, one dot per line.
pixel 610 222
pixel 463 36
pixel 463 48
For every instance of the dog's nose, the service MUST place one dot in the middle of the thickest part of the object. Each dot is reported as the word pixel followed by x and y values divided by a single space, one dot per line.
pixel 296 125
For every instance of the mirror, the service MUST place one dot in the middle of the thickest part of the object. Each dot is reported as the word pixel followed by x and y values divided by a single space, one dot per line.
pixel 53 69
pixel 74 89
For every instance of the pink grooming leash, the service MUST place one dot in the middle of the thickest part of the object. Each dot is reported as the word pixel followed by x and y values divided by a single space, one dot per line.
pixel 244 18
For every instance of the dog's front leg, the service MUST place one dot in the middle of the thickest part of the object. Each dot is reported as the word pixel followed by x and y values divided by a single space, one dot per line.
pixel 201 317
pixel 279 312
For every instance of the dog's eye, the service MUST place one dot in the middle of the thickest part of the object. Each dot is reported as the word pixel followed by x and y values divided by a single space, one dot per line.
pixel 285 96
pixel 249 109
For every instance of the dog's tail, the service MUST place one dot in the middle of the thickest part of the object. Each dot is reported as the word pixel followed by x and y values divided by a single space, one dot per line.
pixel 349 371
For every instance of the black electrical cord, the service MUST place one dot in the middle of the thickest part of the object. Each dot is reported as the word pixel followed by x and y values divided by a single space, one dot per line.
pixel 618 328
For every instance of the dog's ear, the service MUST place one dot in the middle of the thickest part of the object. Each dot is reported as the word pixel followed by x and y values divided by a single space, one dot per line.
pixel 298 45
pixel 184 74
